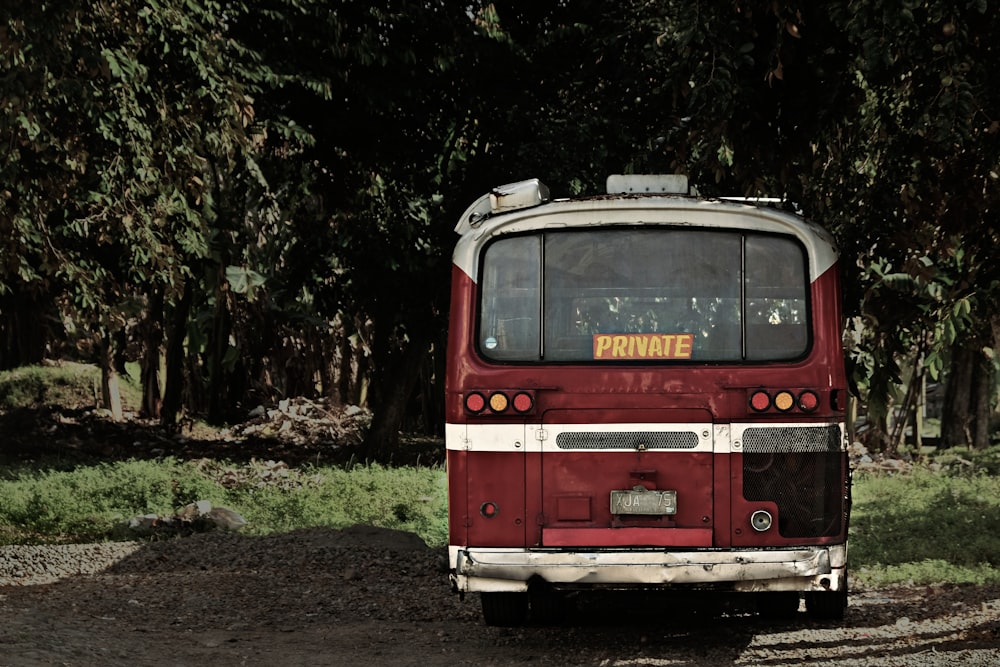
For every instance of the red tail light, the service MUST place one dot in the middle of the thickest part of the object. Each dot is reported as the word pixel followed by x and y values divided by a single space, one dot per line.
pixel 808 401
pixel 760 401
pixel 475 402
pixel 523 402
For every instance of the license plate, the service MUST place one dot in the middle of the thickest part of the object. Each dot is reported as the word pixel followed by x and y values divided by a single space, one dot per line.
pixel 643 501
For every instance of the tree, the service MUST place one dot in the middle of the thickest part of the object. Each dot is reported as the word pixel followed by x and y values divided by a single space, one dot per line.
pixel 916 185
pixel 880 122
pixel 250 187
pixel 127 122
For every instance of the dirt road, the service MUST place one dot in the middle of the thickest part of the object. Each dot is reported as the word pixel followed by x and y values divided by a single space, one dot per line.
pixel 374 597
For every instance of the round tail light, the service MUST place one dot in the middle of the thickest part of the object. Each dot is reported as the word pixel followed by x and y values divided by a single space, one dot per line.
pixel 760 401
pixel 523 402
pixel 475 402
pixel 784 401
pixel 499 402
pixel 808 401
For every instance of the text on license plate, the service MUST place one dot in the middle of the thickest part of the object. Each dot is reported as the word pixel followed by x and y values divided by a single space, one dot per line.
pixel 635 501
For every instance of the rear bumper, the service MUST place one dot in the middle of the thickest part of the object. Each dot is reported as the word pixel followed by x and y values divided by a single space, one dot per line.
pixel 801 569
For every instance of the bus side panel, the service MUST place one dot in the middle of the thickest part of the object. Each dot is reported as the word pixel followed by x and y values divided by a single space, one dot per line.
pixel 458 491
pixel 828 353
pixel 494 505
pixel 460 344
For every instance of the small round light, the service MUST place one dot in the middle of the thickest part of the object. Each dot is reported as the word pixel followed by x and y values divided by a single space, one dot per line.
pixel 760 401
pixel 475 402
pixel 761 520
pixel 523 402
pixel 808 401
pixel 489 510
pixel 499 402
pixel 784 401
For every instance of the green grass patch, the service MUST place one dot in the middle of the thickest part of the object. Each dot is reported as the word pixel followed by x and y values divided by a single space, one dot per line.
pixel 67 384
pixel 91 503
pixel 413 499
pixel 926 527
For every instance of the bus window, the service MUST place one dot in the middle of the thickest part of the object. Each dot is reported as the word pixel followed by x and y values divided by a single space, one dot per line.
pixel 643 295
pixel 509 326
pixel 647 282
pixel 777 323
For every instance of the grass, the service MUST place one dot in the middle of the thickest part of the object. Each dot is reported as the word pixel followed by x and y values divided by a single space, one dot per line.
pixel 937 524
pixel 90 503
pixel 66 384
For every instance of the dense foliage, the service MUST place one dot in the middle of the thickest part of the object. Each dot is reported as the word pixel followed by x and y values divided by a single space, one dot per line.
pixel 254 200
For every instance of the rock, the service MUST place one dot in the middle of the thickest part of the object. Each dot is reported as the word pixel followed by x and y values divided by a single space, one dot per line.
pixel 225 518
pixel 199 516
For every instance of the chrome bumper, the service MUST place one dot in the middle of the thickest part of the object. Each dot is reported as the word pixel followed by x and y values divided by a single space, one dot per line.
pixel 803 569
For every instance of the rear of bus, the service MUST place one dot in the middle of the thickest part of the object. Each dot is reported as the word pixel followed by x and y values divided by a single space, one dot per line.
pixel 644 391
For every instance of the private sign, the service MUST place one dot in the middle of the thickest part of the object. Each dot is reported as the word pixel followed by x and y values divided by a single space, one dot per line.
pixel 643 346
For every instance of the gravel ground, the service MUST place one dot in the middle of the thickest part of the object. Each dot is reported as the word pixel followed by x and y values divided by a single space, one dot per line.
pixel 371 596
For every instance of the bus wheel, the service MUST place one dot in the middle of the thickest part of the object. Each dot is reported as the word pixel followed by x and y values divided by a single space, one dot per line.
pixel 504 609
pixel 781 604
pixel 548 607
pixel 827 606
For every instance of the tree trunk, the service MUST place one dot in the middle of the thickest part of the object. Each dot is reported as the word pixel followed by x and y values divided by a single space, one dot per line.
pixel 173 388
pixel 965 417
pixel 218 344
pixel 346 364
pixel 878 438
pixel 395 386
pixel 152 343
pixel 111 398
pixel 23 334
pixel 982 381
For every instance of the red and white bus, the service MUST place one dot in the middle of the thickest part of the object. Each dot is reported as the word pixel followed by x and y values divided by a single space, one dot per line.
pixel 645 389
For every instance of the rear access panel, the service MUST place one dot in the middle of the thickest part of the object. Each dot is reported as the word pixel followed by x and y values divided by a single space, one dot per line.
pixel 627 483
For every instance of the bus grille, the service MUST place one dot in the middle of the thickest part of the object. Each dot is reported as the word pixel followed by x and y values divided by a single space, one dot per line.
pixel 787 439
pixel 627 440
pixel 801 471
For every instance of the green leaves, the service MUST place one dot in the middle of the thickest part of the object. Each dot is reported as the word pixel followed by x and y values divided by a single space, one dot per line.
pixel 244 281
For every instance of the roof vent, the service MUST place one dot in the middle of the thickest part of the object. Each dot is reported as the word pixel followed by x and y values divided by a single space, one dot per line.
pixel 673 184
pixel 523 194
pixel 502 199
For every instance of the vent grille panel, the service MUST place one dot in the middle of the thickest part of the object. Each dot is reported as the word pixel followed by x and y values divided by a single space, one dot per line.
pixel 627 440
pixel 802 471
pixel 789 439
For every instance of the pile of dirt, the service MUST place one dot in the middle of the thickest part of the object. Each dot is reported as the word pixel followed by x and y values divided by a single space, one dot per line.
pixel 293 432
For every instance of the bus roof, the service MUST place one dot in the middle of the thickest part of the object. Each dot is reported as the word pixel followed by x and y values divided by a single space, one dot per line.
pixel 525 207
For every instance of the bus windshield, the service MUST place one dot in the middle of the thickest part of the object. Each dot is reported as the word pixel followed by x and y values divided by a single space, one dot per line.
pixel 650 294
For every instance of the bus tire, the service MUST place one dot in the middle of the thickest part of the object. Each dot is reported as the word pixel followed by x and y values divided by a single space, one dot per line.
pixel 777 605
pixel 548 607
pixel 504 609
pixel 828 606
